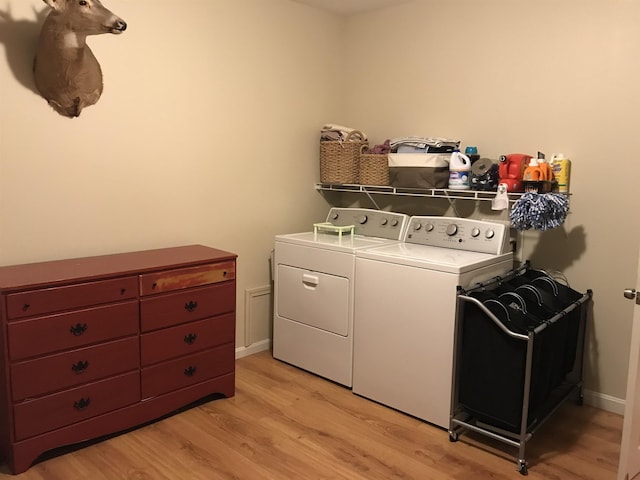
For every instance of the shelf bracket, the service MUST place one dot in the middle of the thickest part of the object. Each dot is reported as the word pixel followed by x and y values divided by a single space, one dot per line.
pixel 371 199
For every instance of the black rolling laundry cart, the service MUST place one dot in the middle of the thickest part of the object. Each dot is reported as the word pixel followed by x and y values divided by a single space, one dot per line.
pixel 518 355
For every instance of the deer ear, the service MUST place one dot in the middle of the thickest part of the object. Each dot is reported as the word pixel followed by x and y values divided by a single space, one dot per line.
pixel 55 4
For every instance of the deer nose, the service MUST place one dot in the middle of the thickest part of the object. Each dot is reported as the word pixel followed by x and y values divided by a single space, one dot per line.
pixel 121 25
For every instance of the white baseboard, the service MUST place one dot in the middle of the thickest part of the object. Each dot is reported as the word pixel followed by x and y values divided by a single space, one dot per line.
pixel 604 402
pixel 253 348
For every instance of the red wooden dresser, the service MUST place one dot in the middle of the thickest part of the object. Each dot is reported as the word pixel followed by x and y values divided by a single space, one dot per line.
pixel 97 345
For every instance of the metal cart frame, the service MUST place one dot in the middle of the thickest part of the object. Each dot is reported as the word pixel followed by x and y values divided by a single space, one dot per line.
pixel 461 419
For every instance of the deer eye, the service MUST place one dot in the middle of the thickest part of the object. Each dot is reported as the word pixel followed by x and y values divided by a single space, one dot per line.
pixel 83 3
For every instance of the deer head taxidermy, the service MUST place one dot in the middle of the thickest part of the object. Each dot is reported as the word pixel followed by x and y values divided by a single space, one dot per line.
pixel 66 72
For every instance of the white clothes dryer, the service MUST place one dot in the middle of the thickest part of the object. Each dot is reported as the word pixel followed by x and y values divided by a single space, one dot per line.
pixel 405 306
pixel 314 278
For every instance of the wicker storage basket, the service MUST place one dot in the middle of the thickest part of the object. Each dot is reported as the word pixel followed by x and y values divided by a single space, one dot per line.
pixel 374 168
pixel 340 161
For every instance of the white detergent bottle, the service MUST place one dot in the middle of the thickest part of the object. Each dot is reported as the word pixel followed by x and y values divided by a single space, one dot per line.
pixel 459 171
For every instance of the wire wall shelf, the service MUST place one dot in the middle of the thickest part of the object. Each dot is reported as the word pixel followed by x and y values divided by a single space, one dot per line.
pixel 413 192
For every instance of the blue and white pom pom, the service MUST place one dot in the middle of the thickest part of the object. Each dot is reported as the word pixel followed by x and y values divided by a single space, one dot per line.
pixel 539 211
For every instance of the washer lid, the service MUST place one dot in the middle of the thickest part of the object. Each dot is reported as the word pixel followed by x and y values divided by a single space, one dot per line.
pixel 332 241
pixel 432 258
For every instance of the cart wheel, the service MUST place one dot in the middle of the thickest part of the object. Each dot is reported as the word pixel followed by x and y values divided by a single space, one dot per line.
pixel 453 436
pixel 522 467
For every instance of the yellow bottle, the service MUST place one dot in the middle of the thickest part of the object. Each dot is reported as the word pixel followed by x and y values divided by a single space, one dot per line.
pixel 561 167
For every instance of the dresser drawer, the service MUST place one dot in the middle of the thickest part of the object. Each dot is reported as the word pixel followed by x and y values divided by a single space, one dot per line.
pixel 56 372
pixel 186 277
pixel 53 333
pixel 185 371
pixel 181 307
pixel 57 299
pixel 71 406
pixel 186 339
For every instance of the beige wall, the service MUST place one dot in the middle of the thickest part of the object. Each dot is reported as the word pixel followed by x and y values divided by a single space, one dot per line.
pixel 207 130
pixel 513 76
pixel 206 133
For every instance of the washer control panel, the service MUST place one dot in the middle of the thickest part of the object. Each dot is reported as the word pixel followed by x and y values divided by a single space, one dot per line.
pixel 370 223
pixel 458 233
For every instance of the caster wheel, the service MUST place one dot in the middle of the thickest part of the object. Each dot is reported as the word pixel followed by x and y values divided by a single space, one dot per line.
pixel 453 436
pixel 522 468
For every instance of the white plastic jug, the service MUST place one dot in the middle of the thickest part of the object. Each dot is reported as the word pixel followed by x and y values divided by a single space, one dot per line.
pixel 459 171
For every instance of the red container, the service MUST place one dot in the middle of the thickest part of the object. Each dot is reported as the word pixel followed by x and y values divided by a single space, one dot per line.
pixel 510 170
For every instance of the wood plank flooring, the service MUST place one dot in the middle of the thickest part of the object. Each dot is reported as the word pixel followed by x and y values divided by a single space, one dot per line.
pixel 284 423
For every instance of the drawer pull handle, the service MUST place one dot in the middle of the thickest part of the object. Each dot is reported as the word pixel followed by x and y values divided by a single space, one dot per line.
pixel 190 339
pixel 154 285
pixel 82 404
pixel 191 306
pixel 80 367
pixel 79 329
pixel 26 307
pixel 190 372
pixel 123 291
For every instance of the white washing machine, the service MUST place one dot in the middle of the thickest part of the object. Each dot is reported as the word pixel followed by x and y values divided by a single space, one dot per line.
pixel 314 278
pixel 405 306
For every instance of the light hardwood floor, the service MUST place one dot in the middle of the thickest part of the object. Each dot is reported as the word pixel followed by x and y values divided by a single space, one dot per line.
pixel 284 423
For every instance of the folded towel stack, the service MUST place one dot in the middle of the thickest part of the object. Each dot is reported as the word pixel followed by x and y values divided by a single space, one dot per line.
pixel 381 149
pixel 332 132
pixel 423 144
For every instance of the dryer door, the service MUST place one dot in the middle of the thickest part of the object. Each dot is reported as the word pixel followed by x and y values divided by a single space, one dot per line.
pixel 313 298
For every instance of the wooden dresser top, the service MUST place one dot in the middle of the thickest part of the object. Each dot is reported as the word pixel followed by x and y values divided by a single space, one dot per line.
pixel 51 273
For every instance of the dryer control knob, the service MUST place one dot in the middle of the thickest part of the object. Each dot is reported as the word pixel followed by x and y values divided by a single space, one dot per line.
pixel 429 227
pixel 490 234
pixel 384 221
pixel 363 219
pixel 417 226
pixel 394 222
pixel 475 232
pixel 335 216
pixel 452 229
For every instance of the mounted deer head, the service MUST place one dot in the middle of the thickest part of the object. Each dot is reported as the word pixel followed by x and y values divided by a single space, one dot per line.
pixel 66 72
